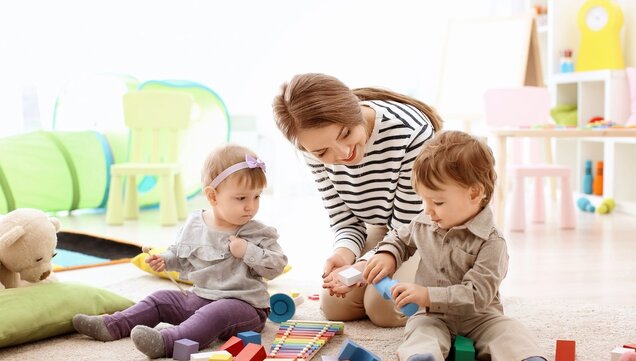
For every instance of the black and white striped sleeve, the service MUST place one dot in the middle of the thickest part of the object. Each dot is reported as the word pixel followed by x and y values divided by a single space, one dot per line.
pixel 407 203
pixel 349 231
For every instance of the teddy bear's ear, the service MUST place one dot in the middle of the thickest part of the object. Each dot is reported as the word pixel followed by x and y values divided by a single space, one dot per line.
pixel 56 223
pixel 12 235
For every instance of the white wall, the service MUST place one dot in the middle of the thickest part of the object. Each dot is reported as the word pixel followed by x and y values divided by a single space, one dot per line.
pixel 241 49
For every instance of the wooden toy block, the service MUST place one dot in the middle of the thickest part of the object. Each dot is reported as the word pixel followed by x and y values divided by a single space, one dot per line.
pixel 251 352
pixel 233 345
pixel 314 297
pixel 618 352
pixel 565 350
pixel 353 352
pixel 250 337
pixel 329 358
pixel 183 348
pixel 221 356
pixel 630 345
pixel 350 276
pixel 463 349
pixel 211 355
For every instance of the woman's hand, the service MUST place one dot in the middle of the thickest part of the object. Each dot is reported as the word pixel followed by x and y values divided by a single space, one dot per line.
pixel 405 293
pixel 156 262
pixel 379 266
pixel 238 246
pixel 337 288
pixel 340 257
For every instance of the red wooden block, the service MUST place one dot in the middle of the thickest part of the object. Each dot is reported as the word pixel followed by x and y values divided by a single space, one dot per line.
pixel 630 345
pixel 565 350
pixel 252 352
pixel 234 346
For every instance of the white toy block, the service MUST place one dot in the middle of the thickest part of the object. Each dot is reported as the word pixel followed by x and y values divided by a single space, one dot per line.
pixel 205 356
pixel 617 352
pixel 350 276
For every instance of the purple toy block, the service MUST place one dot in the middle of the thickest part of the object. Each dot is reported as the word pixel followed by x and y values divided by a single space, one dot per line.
pixel 184 348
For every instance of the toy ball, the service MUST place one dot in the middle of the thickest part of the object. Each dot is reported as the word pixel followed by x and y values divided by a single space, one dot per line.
pixel 585 205
pixel 610 202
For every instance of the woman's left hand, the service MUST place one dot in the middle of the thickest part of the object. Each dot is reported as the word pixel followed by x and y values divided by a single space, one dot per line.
pixel 337 288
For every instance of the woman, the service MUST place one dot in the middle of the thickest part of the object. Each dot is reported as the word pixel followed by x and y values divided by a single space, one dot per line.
pixel 360 145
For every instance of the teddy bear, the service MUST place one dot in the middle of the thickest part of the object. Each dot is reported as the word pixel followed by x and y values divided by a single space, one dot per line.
pixel 28 238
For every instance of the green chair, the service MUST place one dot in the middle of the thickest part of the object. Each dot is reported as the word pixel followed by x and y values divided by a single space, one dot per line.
pixel 156 121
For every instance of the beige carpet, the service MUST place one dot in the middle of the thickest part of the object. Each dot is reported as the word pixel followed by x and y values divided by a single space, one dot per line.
pixel 596 329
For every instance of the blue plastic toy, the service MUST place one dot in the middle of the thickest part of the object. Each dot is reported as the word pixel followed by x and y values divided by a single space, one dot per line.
pixel 384 287
pixel 353 352
pixel 587 177
pixel 282 307
pixel 585 205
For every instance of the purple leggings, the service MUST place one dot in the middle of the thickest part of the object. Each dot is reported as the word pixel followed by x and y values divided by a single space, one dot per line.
pixel 195 318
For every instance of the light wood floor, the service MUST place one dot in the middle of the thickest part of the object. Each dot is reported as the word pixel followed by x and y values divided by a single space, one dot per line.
pixel 594 263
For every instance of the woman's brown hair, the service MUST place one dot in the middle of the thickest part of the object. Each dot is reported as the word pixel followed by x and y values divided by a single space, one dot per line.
pixel 316 100
pixel 456 156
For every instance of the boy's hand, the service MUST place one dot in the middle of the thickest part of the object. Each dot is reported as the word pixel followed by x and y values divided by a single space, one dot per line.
pixel 156 262
pixel 337 288
pixel 404 293
pixel 238 246
pixel 379 266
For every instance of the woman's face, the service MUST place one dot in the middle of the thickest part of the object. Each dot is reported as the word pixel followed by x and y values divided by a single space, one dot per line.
pixel 335 143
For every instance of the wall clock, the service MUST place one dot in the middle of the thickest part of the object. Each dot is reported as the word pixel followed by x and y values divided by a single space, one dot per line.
pixel 600 22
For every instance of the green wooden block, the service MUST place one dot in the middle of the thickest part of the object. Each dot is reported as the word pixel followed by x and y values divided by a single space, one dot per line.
pixel 464 349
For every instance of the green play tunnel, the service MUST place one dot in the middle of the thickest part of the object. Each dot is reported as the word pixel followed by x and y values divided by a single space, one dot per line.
pixel 68 170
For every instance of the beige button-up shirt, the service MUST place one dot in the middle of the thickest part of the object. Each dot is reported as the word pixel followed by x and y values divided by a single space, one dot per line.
pixel 462 267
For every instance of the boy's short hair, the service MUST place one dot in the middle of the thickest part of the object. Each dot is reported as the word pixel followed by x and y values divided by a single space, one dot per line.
pixel 222 158
pixel 456 156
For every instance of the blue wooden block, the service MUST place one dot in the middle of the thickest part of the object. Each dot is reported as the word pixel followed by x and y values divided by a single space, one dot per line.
pixel 183 348
pixel 250 337
pixel 384 288
pixel 353 352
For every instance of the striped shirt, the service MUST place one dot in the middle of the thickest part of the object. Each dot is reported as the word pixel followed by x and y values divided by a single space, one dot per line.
pixel 378 190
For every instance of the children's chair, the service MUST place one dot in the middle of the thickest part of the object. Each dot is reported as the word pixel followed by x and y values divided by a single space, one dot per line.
pixel 524 107
pixel 156 121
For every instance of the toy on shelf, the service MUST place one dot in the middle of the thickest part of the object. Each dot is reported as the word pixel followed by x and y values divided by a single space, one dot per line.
pixel 600 22
pixel 384 287
pixel 565 350
pixel 567 65
pixel 597 185
pixel 301 340
pixel 283 306
pixel 587 178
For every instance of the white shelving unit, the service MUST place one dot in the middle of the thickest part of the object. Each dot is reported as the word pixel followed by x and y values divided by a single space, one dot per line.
pixel 596 93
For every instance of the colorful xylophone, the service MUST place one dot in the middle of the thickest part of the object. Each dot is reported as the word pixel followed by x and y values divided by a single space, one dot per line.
pixel 301 340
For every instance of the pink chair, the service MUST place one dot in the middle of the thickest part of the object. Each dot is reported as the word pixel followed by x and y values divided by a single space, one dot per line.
pixel 524 107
